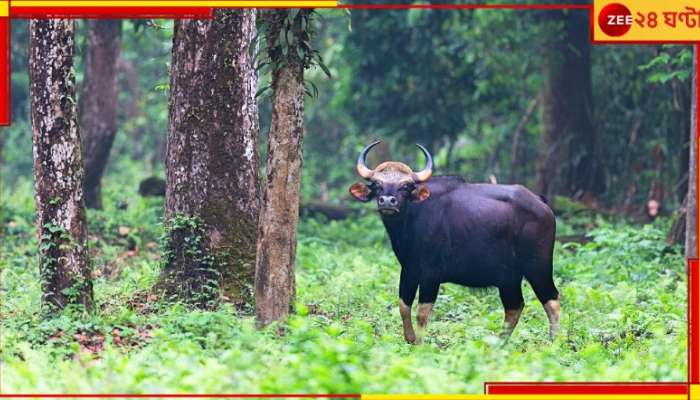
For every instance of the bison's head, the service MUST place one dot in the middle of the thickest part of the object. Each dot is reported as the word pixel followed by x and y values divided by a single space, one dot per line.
pixel 392 183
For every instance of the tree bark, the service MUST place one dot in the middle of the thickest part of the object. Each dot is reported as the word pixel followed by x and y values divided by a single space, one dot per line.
pixel 132 105
pixel 682 109
pixel 691 225
pixel 98 102
pixel 677 233
pixel 568 144
pixel 515 148
pixel 279 214
pixel 58 167
pixel 212 195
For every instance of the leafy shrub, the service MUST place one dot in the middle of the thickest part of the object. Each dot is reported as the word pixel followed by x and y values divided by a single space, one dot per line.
pixel 623 318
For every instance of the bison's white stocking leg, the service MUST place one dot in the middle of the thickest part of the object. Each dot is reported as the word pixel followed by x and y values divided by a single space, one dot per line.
pixel 552 309
pixel 511 320
pixel 423 315
pixel 408 332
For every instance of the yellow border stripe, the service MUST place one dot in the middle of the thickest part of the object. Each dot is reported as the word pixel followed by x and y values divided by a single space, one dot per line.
pixel 694 392
pixel 4 8
pixel 524 396
pixel 171 3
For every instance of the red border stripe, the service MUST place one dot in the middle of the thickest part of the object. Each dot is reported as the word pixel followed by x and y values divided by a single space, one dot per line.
pixel 5 69
pixel 693 331
pixel 110 12
pixel 587 388
pixel 470 6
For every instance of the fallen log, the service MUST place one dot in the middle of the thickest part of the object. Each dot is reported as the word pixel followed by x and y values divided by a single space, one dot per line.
pixel 333 212
pixel 580 239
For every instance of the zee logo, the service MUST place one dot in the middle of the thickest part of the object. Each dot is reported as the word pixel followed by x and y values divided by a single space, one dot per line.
pixel 615 19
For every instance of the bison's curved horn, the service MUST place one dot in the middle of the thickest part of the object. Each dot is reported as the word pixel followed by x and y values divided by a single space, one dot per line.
pixel 425 174
pixel 362 168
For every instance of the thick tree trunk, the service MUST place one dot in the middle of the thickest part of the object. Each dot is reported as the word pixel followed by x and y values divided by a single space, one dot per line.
pixel 212 195
pixel 279 214
pixel 568 143
pixel 691 225
pixel 98 102
pixel 58 167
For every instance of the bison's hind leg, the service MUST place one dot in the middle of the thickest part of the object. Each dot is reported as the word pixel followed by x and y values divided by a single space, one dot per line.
pixel 535 251
pixel 543 285
pixel 512 298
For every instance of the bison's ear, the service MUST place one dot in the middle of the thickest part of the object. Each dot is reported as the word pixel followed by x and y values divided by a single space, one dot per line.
pixel 361 192
pixel 420 193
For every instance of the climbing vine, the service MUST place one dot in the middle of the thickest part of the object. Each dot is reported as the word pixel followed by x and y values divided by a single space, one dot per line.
pixel 188 268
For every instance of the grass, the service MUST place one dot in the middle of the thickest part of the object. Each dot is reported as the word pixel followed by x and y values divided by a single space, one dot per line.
pixel 623 317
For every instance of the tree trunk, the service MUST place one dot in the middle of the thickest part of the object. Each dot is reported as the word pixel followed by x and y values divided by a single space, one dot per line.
pixel 515 148
pixel 568 143
pixel 279 214
pixel 677 233
pixel 691 225
pixel 683 112
pixel 98 102
pixel 58 167
pixel 132 106
pixel 212 195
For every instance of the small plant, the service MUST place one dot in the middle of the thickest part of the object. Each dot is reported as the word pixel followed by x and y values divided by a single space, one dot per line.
pixel 189 273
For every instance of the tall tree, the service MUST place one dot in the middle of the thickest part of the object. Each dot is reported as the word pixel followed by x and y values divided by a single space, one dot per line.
pixel 691 225
pixel 98 102
pixel 567 162
pixel 212 195
pixel 58 166
pixel 279 211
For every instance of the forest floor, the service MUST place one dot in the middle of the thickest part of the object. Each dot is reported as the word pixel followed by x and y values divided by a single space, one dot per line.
pixel 624 317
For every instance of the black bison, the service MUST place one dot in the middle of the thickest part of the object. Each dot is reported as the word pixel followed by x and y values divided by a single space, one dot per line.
pixel 443 229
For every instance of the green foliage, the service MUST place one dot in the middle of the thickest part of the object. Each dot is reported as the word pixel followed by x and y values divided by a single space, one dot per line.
pixel 446 79
pixel 623 318
pixel 451 81
pixel 673 62
pixel 293 33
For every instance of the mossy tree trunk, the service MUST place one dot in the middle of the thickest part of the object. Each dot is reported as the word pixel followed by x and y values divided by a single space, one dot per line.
pixel 691 225
pixel 212 194
pixel 567 162
pixel 279 213
pixel 58 167
pixel 98 102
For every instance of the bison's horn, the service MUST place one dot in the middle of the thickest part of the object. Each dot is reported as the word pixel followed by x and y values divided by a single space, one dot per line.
pixel 362 168
pixel 425 174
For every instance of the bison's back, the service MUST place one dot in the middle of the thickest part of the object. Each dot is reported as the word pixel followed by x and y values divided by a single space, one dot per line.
pixel 475 234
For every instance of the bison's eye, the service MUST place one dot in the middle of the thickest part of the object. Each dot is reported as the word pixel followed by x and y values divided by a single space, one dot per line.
pixel 406 188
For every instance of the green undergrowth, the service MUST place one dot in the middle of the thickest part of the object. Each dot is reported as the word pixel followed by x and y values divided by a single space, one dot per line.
pixel 623 317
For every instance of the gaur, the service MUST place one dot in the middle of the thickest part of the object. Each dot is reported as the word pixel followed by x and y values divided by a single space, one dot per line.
pixel 444 229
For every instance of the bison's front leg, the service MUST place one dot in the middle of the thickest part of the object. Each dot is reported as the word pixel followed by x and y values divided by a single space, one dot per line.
pixel 407 293
pixel 552 309
pixel 426 300
pixel 408 332
pixel 423 316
